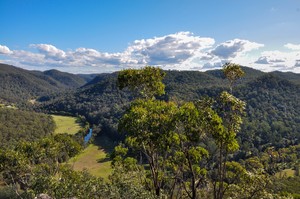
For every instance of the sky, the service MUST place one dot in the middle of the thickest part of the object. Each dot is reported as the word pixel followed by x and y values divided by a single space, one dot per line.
pixel 95 36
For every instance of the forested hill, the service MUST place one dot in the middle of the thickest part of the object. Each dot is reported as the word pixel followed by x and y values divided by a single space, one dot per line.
pixel 273 112
pixel 17 125
pixel 19 85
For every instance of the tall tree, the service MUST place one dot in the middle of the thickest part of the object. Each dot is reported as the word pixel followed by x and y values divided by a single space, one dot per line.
pixel 170 137
pixel 232 72
pixel 230 110
pixel 187 155
pixel 150 127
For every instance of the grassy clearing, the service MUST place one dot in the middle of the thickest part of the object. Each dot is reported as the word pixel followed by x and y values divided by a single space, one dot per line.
pixel 94 159
pixel 8 106
pixel 285 173
pixel 66 124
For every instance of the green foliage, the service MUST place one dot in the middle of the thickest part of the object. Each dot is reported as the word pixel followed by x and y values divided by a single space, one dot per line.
pixel 272 116
pixel 16 125
pixel 290 185
pixel 150 126
pixel 146 81
pixel 169 137
pixel 183 150
pixel 128 181
pixel 19 86
pixel 232 72
pixel 20 165
pixel 69 184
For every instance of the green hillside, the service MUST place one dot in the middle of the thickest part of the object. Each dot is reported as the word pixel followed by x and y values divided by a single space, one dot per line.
pixel 18 85
pixel 272 103
pixel 17 125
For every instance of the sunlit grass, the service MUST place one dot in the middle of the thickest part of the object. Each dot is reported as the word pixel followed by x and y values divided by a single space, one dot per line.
pixel 66 124
pixel 94 158
pixel 285 173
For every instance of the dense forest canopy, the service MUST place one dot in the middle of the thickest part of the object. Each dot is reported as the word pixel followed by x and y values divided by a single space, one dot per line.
pixel 271 98
pixel 17 125
pixel 19 86
pixel 183 133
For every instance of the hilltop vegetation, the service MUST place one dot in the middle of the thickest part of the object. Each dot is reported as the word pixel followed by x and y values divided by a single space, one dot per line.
pixel 272 103
pixel 189 142
pixel 19 86
pixel 17 125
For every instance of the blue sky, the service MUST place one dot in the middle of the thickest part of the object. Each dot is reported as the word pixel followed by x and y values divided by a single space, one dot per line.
pixel 93 36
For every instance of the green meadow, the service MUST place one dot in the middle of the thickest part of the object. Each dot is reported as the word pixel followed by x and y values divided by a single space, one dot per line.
pixel 66 124
pixel 285 173
pixel 94 158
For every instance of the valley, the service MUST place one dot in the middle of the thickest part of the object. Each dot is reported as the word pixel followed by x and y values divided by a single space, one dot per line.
pixel 268 138
pixel 94 156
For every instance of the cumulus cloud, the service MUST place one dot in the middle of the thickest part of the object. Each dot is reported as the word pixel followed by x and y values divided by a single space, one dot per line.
pixel 180 51
pixel 170 49
pixel 50 51
pixel 297 64
pixel 269 60
pixel 4 50
pixel 278 60
pixel 292 46
pixel 232 48
pixel 213 65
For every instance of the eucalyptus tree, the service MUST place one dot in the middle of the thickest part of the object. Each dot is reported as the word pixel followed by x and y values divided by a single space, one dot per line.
pixel 187 156
pixel 232 72
pixel 230 110
pixel 150 127
pixel 144 83
pixel 170 136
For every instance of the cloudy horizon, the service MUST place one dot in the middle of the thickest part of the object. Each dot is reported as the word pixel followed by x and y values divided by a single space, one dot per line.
pixel 106 36
pixel 177 51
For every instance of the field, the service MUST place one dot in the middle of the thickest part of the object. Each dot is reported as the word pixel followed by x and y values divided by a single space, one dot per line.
pixel 94 159
pixel 66 124
pixel 286 173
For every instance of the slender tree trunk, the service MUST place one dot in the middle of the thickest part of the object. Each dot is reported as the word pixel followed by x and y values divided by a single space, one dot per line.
pixel 220 174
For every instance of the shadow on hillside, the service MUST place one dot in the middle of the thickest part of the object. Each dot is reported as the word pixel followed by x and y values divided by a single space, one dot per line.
pixel 106 144
pixel 102 160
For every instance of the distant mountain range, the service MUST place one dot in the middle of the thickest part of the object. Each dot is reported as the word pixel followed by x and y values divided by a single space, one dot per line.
pixel 19 85
pixel 273 111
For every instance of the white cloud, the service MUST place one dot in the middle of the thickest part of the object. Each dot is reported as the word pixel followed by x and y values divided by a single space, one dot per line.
pixel 278 60
pixel 180 51
pixel 169 49
pixel 267 59
pixel 50 51
pixel 4 50
pixel 232 48
pixel 292 46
